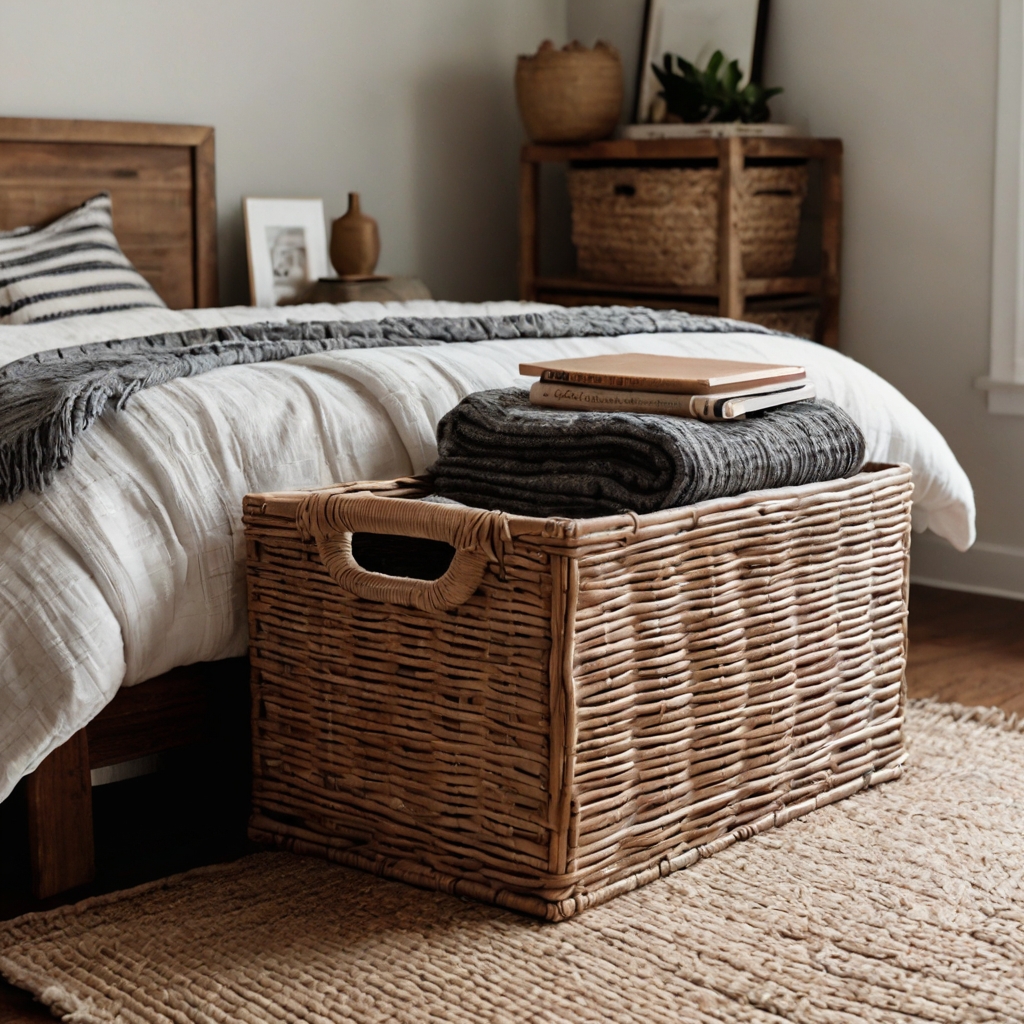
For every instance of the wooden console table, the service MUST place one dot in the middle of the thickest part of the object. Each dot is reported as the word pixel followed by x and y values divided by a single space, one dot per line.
pixel 730 296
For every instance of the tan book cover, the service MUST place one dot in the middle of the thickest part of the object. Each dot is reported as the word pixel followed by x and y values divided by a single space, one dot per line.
pixel 722 405
pixel 641 371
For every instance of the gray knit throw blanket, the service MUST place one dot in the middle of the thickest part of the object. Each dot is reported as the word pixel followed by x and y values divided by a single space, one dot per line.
pixel 47 400
pixel 497 451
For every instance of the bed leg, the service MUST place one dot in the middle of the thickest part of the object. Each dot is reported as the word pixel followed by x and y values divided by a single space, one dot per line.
pixel 60 819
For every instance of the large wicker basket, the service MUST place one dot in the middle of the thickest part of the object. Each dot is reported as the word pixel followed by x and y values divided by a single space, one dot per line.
pixel 659 226
pixel 575 707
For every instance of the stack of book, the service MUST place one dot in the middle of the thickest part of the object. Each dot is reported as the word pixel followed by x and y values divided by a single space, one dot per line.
pixel 707 389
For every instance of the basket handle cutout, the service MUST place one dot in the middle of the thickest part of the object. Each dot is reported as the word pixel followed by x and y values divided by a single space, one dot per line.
pixel 625 190
pixel 394 554
pixel 330 519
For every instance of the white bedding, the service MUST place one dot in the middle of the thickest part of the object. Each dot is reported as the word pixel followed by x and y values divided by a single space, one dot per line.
pixel 132 562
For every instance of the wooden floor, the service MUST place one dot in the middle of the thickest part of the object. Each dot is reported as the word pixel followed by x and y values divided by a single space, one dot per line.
pixel 966 648
pixel 963 648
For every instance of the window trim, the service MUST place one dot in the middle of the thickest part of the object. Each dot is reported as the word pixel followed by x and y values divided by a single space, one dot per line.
pixel 1005 382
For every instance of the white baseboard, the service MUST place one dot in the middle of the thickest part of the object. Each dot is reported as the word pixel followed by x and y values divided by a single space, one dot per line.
pixel 993 569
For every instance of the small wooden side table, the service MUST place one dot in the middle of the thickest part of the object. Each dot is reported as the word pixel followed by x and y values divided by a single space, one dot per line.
pixel 378 288
pixel 730 296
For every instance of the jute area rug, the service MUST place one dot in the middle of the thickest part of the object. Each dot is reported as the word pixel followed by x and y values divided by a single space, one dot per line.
pixel 902 903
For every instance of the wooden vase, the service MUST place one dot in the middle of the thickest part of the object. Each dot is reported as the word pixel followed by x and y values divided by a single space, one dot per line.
pixel 355 242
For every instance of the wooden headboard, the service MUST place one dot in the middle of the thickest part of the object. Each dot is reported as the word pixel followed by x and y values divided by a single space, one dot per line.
pixel 161 180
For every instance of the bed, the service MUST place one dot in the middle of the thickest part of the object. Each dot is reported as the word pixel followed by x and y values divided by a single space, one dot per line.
pixel 161 178
pixel 123 591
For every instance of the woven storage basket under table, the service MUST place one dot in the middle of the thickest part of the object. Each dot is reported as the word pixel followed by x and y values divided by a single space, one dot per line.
pixel 572 708
pixel 659 226
pixel 801 320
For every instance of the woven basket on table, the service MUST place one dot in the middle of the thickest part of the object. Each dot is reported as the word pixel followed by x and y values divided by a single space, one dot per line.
pixel 575 707
pixel 659 226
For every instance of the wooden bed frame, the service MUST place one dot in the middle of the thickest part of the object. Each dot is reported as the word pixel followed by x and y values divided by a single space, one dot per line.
pixel 161 180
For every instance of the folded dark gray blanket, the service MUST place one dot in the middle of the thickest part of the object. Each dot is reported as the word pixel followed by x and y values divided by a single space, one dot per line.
pixel 497 451
pixel 47 400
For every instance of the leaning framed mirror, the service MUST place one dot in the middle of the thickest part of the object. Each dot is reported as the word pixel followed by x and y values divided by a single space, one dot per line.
pixel 694 30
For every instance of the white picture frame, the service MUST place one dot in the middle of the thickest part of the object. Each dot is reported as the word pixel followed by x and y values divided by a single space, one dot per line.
pixel 286 242
pixel 694 29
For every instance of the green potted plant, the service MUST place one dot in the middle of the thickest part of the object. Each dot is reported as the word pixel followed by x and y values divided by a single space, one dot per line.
pixel 709 101
pixel 712 95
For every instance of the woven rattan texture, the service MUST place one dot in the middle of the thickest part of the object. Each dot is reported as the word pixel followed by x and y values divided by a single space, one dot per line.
pixel 613 699
pixel 900 905
pixel 801 321
pixel 659 226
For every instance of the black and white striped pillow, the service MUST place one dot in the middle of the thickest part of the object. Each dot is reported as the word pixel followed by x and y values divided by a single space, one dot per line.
pixel 71 267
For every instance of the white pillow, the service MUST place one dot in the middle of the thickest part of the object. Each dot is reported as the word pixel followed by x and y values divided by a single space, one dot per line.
pixel 71 267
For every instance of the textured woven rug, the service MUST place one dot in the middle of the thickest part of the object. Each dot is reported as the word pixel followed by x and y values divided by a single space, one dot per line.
pixel 902 903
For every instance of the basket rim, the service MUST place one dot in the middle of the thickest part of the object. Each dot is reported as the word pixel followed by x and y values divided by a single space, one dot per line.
pixel 283 505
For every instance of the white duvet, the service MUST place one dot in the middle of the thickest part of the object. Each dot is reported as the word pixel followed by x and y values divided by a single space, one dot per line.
pixel 132 562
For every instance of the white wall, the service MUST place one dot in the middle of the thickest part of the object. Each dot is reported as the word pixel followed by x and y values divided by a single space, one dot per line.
pixel 909 85
pixel 409 102
pixel 619 22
